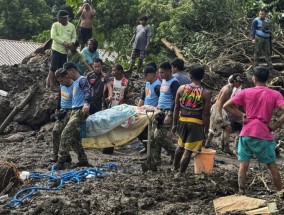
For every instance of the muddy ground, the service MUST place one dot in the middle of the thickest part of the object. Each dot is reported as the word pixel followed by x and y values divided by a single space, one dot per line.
pixel 128 190
pixel 125 191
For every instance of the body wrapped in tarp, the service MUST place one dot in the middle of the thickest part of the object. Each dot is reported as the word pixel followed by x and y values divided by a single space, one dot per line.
pixel 106 120
pixel 121 134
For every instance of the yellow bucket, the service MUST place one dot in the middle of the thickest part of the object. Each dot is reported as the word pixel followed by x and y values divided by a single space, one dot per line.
pixel 204 161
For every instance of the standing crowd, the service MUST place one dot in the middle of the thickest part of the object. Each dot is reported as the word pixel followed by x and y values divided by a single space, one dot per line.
pixel 184 104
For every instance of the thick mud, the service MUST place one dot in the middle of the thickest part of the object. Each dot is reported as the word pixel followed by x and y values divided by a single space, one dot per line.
pixel 128 190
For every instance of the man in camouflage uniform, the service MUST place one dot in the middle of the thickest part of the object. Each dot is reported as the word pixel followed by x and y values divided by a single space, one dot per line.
pixel 80 109
pixel 166 102
pixel 261 37
pixel 63 112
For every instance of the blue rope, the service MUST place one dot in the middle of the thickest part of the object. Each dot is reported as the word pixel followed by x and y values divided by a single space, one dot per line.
pixel 73 176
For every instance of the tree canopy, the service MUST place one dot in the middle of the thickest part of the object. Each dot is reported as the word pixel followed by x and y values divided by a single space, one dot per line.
pixel 201 29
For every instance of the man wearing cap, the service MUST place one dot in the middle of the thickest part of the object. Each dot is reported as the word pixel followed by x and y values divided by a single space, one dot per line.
pixel 219 117
pixel 86 13
pixel 166 103
pixel 63 33
pixel 141 43
pixel 149 96
pixel 177 70
pixel 63 109
pixel 80 110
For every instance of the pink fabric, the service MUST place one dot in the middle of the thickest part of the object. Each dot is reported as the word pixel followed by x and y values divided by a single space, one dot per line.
pixel 259 103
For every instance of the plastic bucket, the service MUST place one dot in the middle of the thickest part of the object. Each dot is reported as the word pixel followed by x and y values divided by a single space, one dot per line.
pixel 204 161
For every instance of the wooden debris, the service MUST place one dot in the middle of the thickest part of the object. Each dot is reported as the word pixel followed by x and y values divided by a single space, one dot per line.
pixel 9 177
pixel 175 50
pixel 265 184
pixel 271 208
pixel 17 109
pixel 236 203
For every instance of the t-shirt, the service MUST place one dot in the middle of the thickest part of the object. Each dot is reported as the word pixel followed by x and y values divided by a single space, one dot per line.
pixel 142 33
pixel 119 88
pixel 258 103
pixel 76 58
pixel 168 93
pixel 60 34
pixel 182 78
pixel 97 82
pixel 89 57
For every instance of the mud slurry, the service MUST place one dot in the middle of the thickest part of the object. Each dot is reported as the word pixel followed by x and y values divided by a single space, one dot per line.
pixel 128 190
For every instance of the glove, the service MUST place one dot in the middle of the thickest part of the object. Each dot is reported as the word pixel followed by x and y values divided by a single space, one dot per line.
pixel 58 116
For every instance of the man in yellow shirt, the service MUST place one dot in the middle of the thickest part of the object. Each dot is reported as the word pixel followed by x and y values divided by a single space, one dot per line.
pixel 63 34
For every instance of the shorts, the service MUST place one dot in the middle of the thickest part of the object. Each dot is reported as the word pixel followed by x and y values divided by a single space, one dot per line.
pixel 57 60
pixel 264 150
pixel 190 133
pixel 138 53
pixel 85 34
pixel 215 125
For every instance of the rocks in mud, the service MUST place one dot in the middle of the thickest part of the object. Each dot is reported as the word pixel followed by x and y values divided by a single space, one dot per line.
pixel 17 80
pixel 38 111
pixel 18 137
pixel 5 108
pixel 146 203
pixel 226 68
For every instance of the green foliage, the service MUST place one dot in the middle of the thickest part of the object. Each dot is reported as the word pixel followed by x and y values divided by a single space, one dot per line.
pixel 42 37
pixel 113 15
pixel 74 3
pixel 199 28
pixel 20 19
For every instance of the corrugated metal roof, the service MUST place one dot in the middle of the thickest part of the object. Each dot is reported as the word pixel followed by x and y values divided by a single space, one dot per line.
pixel 106 55
pixel 13 52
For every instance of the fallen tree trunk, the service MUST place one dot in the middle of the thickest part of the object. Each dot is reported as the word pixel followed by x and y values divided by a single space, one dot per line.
pixel 17 109
pixel 175 50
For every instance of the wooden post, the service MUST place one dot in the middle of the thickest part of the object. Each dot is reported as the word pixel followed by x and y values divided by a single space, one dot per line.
pixel 175 50
pixel 18 108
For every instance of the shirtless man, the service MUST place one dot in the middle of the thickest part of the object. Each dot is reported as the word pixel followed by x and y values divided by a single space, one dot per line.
pixel 219 117
pixel 86 13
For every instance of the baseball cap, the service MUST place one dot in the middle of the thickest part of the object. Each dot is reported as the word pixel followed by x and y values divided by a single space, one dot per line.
pixel 237 77
pixel 68 65
pixel 62 13
pixel 149 69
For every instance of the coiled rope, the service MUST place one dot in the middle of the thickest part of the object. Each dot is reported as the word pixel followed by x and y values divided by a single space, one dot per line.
pixel 58 178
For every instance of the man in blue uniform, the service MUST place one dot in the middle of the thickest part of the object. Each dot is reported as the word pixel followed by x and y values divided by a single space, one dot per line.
pixel 63 111
pixel 166 104
pixel 80 110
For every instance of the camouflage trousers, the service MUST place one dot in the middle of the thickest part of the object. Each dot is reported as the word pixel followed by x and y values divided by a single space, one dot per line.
pixel 262 48
pixel 162 139
pixel 70 137
pixel 58 127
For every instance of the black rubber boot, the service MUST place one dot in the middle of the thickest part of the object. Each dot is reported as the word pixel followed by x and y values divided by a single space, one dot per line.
pixel 108 151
